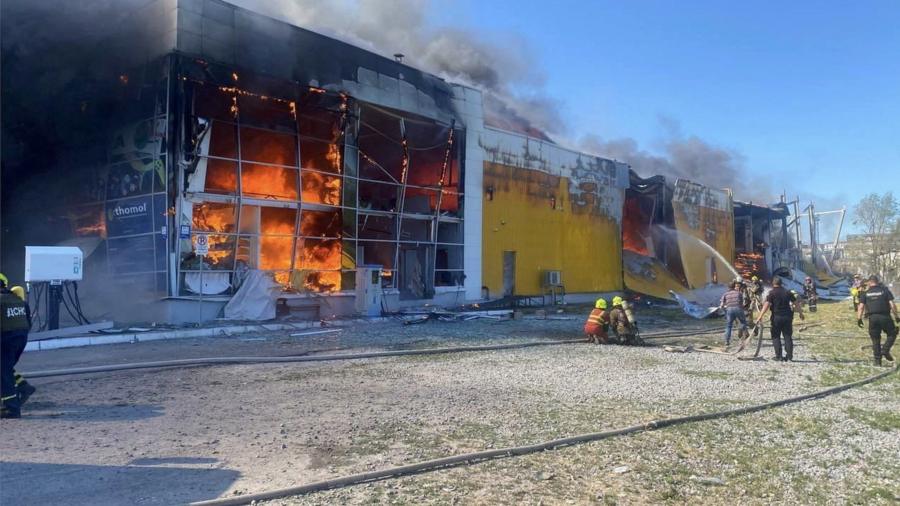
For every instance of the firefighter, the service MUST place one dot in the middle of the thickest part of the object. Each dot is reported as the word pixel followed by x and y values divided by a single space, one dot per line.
pixel 733 304
pixel 597 325
pixel 809 291
pixel 623 328
pixel 23 387
pixel 756 291
pixel 15 320
pixel 878 304
pixel 783 305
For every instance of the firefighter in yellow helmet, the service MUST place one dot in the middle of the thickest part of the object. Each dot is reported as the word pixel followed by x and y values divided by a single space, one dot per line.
pixel 597 325
pixel 621 325
pixel 15 321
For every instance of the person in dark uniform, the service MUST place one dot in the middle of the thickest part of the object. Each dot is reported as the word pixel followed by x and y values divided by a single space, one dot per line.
pixel 15 321
pixel 877 302
pixel 783 304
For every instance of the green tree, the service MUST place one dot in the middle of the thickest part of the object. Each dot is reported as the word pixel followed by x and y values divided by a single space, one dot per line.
pixel 879 218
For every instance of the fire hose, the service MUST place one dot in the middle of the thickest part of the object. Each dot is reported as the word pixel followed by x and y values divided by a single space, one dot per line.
pixel 554 444
pixel 187 362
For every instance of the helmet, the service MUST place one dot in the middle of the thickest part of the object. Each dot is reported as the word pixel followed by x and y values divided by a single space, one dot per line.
pixel 857 275
pixel 617 301
pixel 19 291
pixel 794 292
pixel 739 280
pixel 3 279
pixel 754 278
pixel 600 304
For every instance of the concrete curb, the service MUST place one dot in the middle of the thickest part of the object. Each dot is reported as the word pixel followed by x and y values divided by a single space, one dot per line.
pixel 136 337
pixel 224 331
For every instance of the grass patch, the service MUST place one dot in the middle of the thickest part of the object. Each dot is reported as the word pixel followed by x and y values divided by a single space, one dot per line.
pixel 887 421
pixel 841 374
pixel 716 375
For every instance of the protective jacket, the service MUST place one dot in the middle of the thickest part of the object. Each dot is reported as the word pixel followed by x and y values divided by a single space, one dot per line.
pixel 14 313
pixel 597 323
pixel 618 321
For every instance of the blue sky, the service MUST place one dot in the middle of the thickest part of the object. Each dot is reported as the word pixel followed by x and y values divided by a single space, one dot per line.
pixel 808 92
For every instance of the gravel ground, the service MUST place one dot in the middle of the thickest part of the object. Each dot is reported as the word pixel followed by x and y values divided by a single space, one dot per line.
pixel 162 437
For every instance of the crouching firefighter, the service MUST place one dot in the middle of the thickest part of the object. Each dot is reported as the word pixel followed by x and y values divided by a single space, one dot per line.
pixel 15 321
pixel 597 325
pixel 877 302
pixel 622 323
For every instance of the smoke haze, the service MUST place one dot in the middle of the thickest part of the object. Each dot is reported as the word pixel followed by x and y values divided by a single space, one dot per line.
pixel 513 87
pixel 466 57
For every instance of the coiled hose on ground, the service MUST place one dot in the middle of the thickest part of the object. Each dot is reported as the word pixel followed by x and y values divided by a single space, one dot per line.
pixel 477 457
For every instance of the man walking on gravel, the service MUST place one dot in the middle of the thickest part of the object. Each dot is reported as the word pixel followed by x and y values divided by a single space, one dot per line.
pixel 783 304
pixel 878 303
pixel 733 304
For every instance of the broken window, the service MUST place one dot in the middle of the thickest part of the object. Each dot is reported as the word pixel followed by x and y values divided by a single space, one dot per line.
pixel 268 181
pixel 377 226
pixel 377 253
pixel 415 230
pixel 320 156
pixel 223 140
pixel 378 196
pixel 268 147
pixel 214 217
pixel 320 188
pixel 321 223
pixel 221 176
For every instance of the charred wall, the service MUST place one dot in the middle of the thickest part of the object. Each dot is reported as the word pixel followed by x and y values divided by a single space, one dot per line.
pixel 556 209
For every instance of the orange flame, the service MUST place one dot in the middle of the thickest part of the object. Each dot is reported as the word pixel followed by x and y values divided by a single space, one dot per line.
pixel 634 226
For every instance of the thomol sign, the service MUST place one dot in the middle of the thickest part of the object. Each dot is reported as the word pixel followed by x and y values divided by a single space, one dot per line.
pixel 129 216
pixel 130 211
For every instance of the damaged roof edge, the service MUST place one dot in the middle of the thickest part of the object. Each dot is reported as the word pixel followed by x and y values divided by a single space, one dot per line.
pixel 221 32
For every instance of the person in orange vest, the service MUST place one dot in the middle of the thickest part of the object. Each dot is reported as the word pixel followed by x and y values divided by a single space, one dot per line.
pixel 597 324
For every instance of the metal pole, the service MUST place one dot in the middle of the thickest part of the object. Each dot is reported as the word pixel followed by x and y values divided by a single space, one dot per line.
pixel 837 236
pixel 812 233
pixel 200 315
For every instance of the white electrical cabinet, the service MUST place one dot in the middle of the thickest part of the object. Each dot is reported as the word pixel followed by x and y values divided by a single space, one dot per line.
pixel 53 263
pixel 369 292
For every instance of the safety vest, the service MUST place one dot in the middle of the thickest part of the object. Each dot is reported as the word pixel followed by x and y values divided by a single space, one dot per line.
pixel 13 313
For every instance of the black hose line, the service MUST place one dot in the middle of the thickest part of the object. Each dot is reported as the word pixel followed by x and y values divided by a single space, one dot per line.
pixel 478 457
pixel 265 360
pixel 307 358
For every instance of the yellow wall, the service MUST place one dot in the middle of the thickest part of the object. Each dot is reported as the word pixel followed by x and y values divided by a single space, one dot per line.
pixel 576 237
pixel 716 228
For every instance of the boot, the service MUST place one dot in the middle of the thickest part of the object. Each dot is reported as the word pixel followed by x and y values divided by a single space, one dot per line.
pixel 776 343
pixel 10 413
pixel 25 389
pixel 876 350
pixel 886 349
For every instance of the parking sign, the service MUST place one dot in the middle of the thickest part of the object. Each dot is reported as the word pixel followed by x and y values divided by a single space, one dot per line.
pixel 201 245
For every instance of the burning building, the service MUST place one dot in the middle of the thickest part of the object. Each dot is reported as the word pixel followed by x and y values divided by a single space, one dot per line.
pixel 676 237
pixel 551 218
pixel 132 128
pixel 762 241
pixel 294 153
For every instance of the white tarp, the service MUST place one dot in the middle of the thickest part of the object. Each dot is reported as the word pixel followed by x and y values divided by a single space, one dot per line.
pixel 701 302
pixel 255 300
